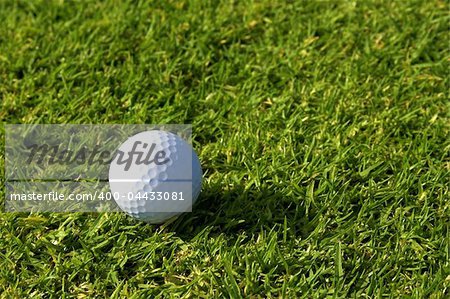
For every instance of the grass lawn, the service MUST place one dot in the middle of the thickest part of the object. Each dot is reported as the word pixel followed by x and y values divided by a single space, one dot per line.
pixel 322 128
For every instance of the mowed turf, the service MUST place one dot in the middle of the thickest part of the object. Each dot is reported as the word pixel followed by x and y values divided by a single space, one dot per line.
pixel 322 129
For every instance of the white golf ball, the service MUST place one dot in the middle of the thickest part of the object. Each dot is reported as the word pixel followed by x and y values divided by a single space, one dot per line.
pixel 155 176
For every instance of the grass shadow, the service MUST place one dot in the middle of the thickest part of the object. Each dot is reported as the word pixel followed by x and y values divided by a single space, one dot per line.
pixel 233 210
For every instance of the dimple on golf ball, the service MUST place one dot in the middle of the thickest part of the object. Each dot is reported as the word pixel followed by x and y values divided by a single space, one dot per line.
pixel 155 175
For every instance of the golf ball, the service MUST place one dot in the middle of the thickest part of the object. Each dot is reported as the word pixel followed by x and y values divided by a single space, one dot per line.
pixel 155 175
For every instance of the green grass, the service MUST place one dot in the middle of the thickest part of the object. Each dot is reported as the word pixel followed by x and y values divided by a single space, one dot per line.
pixel 322 128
